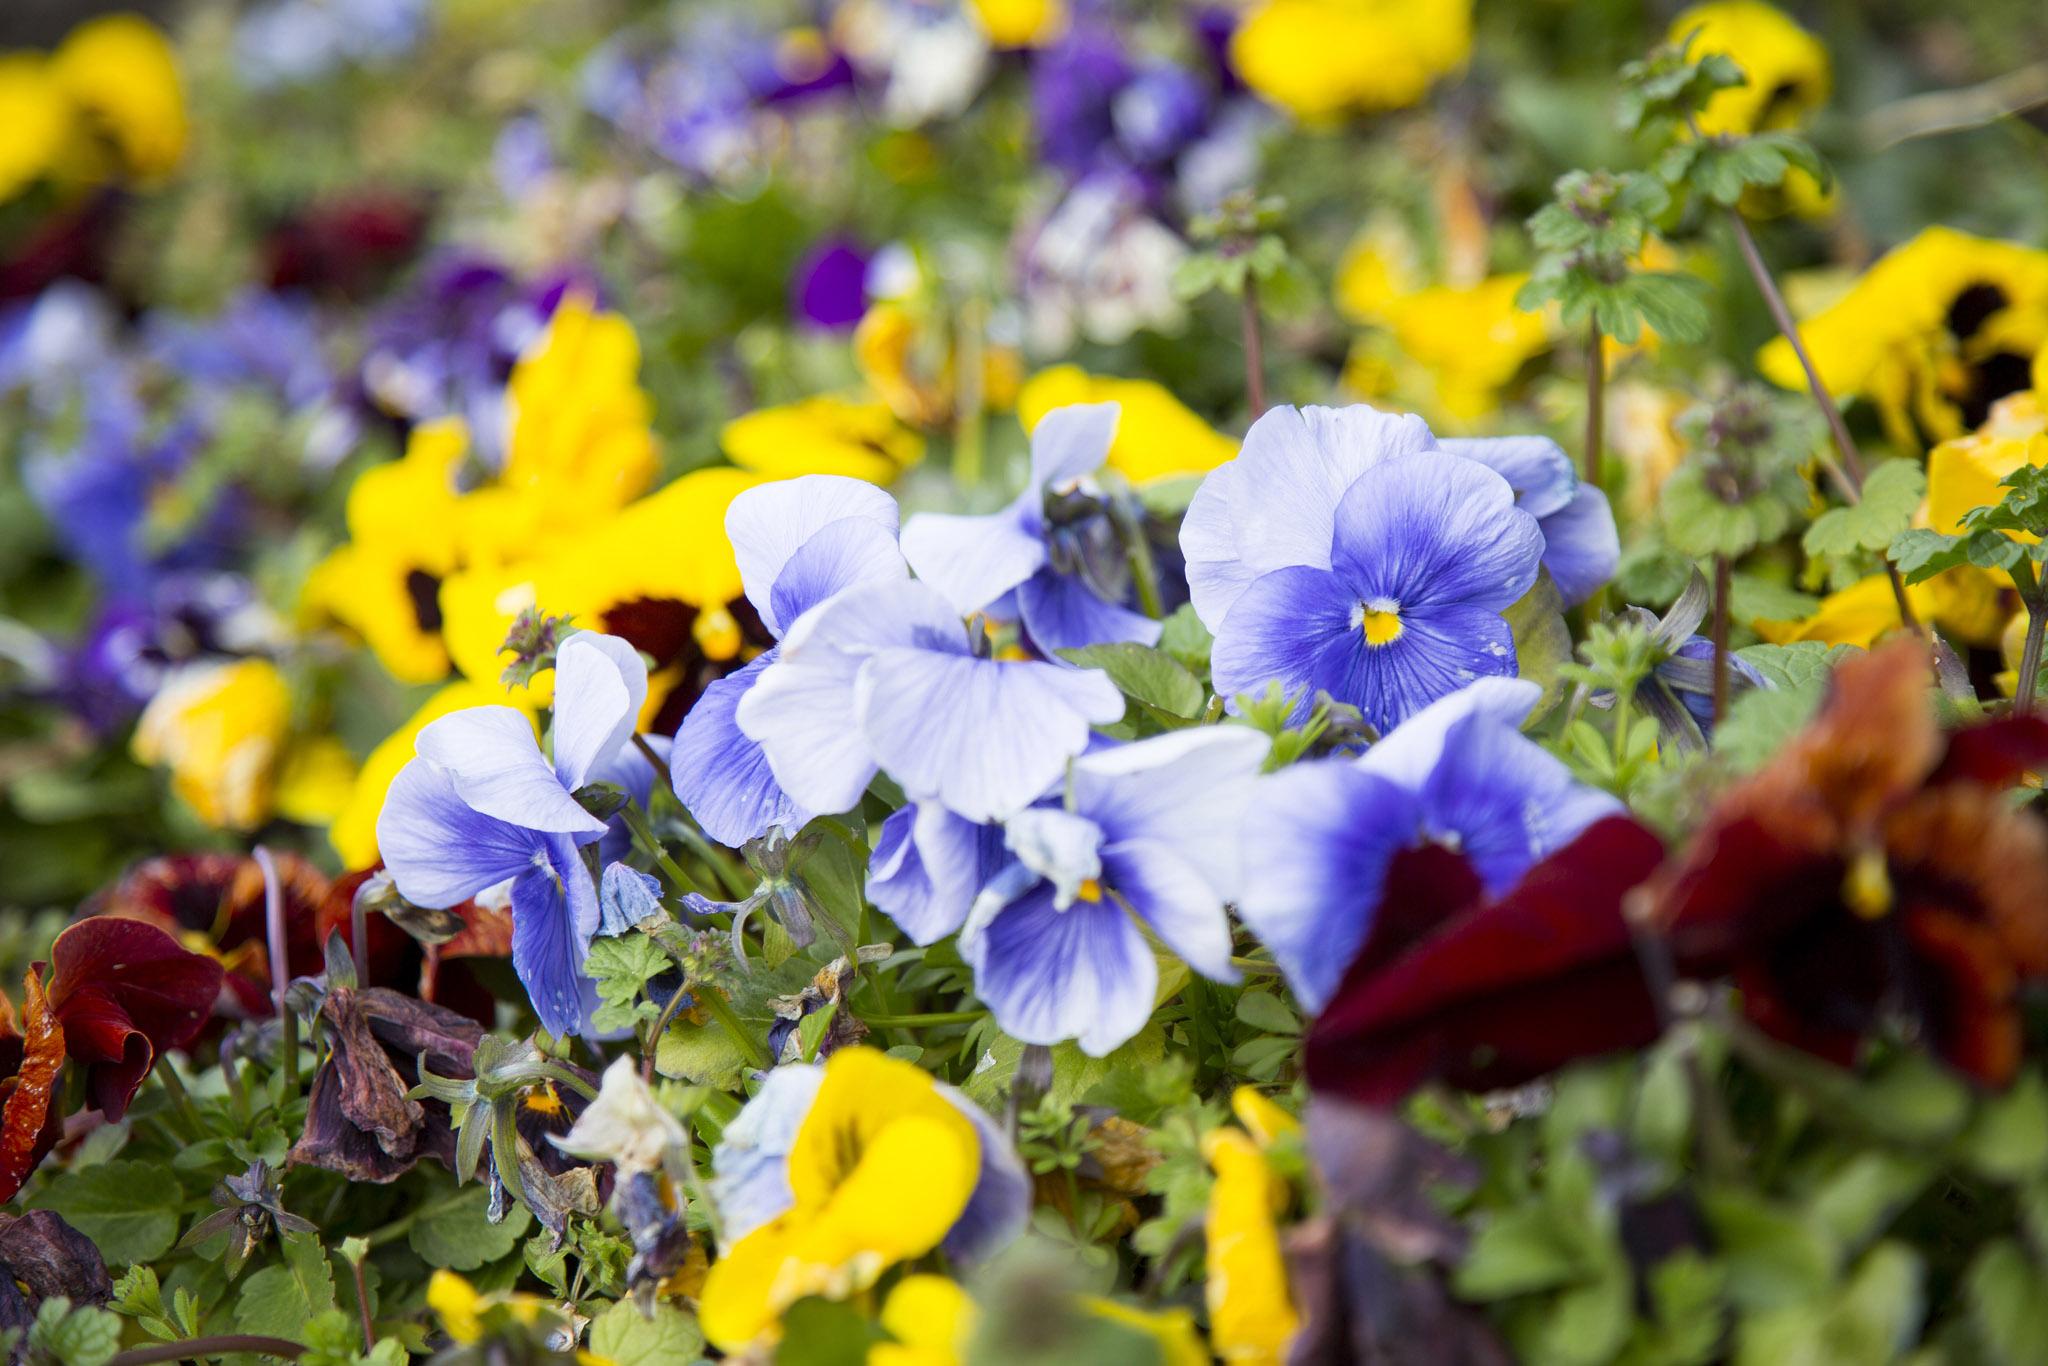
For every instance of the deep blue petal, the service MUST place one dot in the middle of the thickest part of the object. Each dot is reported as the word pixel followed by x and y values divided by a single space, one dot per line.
pixel 722 777
pixel 1061 612
pixel 929 865
pixel 1504 801
pixel 441 851
pixel 1084 973
pixel 554 916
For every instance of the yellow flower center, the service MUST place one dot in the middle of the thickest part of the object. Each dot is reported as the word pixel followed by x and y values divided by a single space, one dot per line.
pixel 1380 619
pixel 1867 886
pixel 1090 891
pixel 717 633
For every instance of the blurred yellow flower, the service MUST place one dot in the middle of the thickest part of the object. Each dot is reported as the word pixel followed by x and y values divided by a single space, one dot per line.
pixel 121 77
pixel 1321 58
pixel 314 780
pixel 1964 603
pixel 1172 1331
pixel 1471 341
pixel 823 435
pixel 1251 1317
pixel 1642 433
pixel 1788 69
pixel 353 831
pixel 220 728
pixel 660 573
pixel 580 437
pixel 929 1318
pixel 1965 474
pixel 1933 334
pixel 881 1167
pixel 1157 436
pixel 1019 23
pixel 905 349
pixel 35 114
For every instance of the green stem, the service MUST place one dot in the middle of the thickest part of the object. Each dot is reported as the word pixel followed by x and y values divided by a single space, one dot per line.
pixel 661 1024
pixel 1138 549
pixel 1254 348
pixel 721 1010
pixel 643 835
pixel 198 1349
pixel 968 398
pixel 721 864
pixel 181 1100
pixel 1723 580
pixel 1596 415
pixel 1258 966
pixel 2030 658
pixel 926 1021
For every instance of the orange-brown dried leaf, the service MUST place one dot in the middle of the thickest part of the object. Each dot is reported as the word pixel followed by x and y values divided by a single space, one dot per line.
pixel 27 1131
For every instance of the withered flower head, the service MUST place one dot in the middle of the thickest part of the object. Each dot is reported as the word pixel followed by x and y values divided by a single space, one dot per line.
pixel 1875 874
pixel 361 1121
pixel 250 1208
pixel 42 1256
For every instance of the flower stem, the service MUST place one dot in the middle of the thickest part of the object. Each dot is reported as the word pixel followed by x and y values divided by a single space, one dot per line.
pixel 2030 658
pixel 198 1349
pixel 1138 550
pixel 363 1306
pixel 643 835
pixel 280 965
pixel 928 1021
pixel 968 398
pixel 1596 415
pixel 722 1011
pixel 181 1101
pixel 661 1024
pixel 1254 348
pixel 1723 575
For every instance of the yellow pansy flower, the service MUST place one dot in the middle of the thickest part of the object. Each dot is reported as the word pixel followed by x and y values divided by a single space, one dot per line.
pixel 579 434
pixel 823 435
pixel 1964 603
pixel 1966 474
pixel 1933 334
pixel 1471 340
pixel 904 349
pixel 929 1318
pixel 1788 69
pixel 1251 1316
pixel 315 780
pixel 120 75
pixel 1321 58
pixel 220 728
pixel 1157 436
pixel 881 1167
pixel 659 573
pixel 353 831
pixel 1019 23
pixel 35 114
pixel 1172 1331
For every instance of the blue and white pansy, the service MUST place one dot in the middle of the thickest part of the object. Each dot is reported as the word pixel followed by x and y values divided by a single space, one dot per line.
pixel 1319 838
pixel 1344 552
pixel 1581 547
pixel 1053 561
pixel 797 542
pixel 479 805
pixel 1144 840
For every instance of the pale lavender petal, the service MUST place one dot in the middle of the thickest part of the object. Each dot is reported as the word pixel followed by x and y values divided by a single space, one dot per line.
pixel 1059 846
pixel 1422 530
pixel 1275 504
pixel 1536 468
pixel 1186 789
pixel 1084 973
pixel 600 686
pixel 984 737
pixel 1061 612
pixel 1317 841
pixel 1581 548
pixel 721 776
pixel 439 849
pixel 850 551
pixel 928 867
pixel 1001 1204
pixel 801 709
pixel 1071 442
pixel 750 1166
pixel 490 755
pixel 1408 754
pixel 625 897
pixel 1172 896
pixel 767 524
pixel 973 561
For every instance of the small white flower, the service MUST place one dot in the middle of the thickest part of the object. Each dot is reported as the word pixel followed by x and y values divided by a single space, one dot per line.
pixel 625 1125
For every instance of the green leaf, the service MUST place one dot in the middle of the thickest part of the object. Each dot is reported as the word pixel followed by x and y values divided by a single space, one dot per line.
pixel 67 1336
pixel 1891 495
pixel 621 965
pixel 1520 1250
pixel 1802 666
pixel 278 1300
pixel 1152 677
pixel 2008 1312
pixel 1774 1257
pixel 704 1054
pixel 2007 1138
pixel 1183 636
pixel 1758 724
pixel 128 1209
pixel 1699 522
pixel 1264 1011
pixel 1859 1200
pixel 1074 1073
pixel 454 1233
pixel 621 1334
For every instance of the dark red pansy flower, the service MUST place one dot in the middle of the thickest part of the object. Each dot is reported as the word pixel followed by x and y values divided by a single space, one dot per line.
pixel 120 992
pixel 347 244
pixel 1486 994
pixel 1875 873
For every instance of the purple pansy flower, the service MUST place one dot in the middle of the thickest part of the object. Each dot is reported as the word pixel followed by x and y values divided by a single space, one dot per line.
pixel 1318 838
pixel 1343 552
pixel 798 542
pixel 1581 548
pixel 929 865
pixel 884 677
pixel 479 805
pixel 829 288
pixel 1053 559
pixel 1149 830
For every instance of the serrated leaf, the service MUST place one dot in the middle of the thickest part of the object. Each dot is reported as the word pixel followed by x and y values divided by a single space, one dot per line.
pixel 69 1335
pixel 455 1233
pixel 1151 676
pixel 277 1300
pixel 621 1335
pixel 128 1209
pixel 1891 495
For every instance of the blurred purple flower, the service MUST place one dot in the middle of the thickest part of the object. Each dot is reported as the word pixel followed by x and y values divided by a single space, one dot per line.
pixel 829 289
